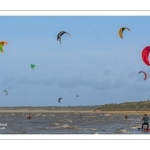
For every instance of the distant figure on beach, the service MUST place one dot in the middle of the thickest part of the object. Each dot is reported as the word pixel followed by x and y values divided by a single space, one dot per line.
pixel 28 116
pixel 126 117
pixel 145 119
pixel 102 114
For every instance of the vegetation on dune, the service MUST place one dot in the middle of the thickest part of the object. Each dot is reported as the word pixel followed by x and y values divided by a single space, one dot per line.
pixel 127 106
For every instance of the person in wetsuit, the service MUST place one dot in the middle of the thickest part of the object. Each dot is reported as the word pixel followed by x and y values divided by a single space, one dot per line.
pixel 145 119
pixel 126 117
pixel 28 116
pixel 80 115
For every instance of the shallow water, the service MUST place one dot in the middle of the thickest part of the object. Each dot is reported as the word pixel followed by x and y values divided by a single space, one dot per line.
pixel 69 123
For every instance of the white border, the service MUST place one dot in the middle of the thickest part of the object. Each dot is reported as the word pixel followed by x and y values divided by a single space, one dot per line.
pixel 103 9
pixel 74 13
pixel 74 5
pixel 75 137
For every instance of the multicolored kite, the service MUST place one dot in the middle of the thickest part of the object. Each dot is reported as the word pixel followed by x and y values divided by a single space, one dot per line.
pixel 121 31
pixel 2 46
pixel 145 74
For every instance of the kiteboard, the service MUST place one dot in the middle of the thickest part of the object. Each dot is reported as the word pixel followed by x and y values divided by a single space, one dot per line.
pixel 144 129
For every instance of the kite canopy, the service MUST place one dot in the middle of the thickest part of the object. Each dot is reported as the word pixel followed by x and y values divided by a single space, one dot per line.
pixel 145 74
pixel 6 92
pixel 2 46
pixel 77 97
pixel 145 54
pixel 60 34
pixel 59 100
pixel 32 66
pixel 121 31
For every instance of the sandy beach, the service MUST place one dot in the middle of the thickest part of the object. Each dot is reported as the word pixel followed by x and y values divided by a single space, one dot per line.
pixel 123 112
pixel 40 110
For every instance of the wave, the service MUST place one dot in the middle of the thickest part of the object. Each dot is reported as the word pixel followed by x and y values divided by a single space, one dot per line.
pixel 52 115
pixel 123 131
pixel 38 114
pixel 91 116
pixel 135 127
pixel 111 118
pixel 13 114
pixel 56 124
pixel 93 129
pixel 106 114
pixel 68 126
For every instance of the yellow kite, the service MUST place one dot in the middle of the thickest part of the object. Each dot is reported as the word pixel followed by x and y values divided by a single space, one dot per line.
pixel 121 31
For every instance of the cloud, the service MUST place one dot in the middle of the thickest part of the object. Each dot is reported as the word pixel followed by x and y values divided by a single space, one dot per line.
pixel 12 82
pixel 36 81
pixel 110 84
pixel 75 81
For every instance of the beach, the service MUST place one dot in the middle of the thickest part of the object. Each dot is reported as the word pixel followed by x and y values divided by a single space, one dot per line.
pixel 48 110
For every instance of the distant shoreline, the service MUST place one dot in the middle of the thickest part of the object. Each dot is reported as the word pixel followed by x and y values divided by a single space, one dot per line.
pixel 46 110
pixel 42 111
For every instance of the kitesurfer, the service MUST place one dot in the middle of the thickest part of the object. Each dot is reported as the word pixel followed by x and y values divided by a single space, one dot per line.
pixel 28 116
pixel 80 115
pixel 126 117
pixel 145 119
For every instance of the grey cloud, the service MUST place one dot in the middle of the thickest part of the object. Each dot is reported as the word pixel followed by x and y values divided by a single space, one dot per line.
pixel 81 81
pixel 11 81
pixel 76 81
pixel 6 81
pixel 36 81
pixel 110 84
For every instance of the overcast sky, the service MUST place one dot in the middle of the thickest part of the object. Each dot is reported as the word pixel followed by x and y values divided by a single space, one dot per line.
pixel 94 63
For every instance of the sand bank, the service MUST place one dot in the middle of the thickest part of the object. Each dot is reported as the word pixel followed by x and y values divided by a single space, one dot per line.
pixel 124 112
pixel 34 110
pixel 41 111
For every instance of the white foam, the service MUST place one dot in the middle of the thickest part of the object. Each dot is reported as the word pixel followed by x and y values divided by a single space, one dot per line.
pixel 38 114
pixel 124 131
pixel 135 127
pixel 56 124
pixel 106 114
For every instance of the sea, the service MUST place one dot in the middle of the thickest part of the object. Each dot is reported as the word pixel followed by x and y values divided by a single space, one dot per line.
pixel 69 123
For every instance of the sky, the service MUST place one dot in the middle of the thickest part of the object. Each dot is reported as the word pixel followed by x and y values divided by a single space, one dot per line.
pixel 94 63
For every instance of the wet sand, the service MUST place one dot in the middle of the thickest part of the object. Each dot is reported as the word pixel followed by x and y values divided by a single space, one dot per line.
pixel 40 110
pixel 124 112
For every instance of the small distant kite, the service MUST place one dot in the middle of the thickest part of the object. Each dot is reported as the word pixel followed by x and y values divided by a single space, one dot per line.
pixel 145 54
pixel 121 31
pixel 145 75
pixel 2 46
pixel 77 97
pixel 6 92
pixel 32 66
pixel 60 34
pixel 59 100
